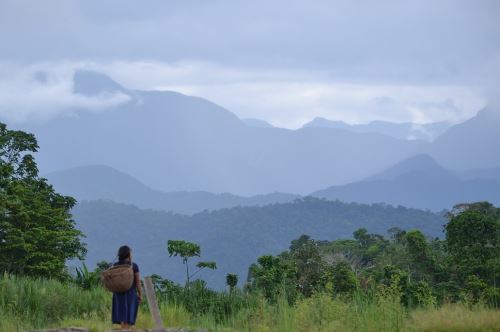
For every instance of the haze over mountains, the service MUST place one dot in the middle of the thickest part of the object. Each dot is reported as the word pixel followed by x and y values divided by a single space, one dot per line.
pixel 427 132
pixel 175 144
pixel 419 182
pixel 97 182
pixel 471 144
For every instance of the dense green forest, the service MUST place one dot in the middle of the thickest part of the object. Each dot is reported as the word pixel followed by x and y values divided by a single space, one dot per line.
pixel 235 237
pixel 380 277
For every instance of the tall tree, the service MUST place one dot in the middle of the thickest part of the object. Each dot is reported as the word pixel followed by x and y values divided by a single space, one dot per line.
pixel 231 281
pixel 187 250
pixel 37 233
pixel 274 276
pixel 309 265
pixel 419 253
pixel 473 240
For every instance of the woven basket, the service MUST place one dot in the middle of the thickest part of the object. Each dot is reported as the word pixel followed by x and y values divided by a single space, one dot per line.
pixel 118 278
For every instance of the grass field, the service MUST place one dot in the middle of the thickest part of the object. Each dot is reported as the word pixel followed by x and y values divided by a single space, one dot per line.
pixel 35 303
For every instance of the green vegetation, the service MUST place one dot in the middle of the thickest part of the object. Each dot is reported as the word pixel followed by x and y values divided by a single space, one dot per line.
pixel 187 250
pixel 403 282
pixel 462 267
pixel 27 303
pixel 37 234
pixel 235 237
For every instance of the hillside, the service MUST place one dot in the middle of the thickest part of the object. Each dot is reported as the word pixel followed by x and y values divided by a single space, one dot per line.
pixel 96 182
pixel 471 144
pixel 233 237
pixel 419 182
pixel 480 173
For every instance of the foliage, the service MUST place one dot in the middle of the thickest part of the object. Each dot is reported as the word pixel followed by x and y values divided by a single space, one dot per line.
pixel 237 236
pixel 188 250
pixel 344 279
pixel 231 281
pixel 37 234
pixel 305 255
pixel 183 249
pixel 27 304
pixel 425 271
pixel 41 302
pixel 206 265
pixel 274 277
pixel 473 241
pixel 87 279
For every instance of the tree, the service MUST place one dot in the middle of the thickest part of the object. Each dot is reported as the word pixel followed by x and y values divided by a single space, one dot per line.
pixel 188 250
pixel 473 240
pixel 396 234
pixel 362 236
pixel 274 276
pixel 419 253
pixel 231 281
pixel 37 233
pixel 344 279
pixel 310 266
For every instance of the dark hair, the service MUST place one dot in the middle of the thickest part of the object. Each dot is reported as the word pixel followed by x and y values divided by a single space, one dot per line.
pixel 123 253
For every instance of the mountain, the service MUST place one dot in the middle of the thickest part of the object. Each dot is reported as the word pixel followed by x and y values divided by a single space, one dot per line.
pixel 405 130
pixel 422 165
pixel 174 142
pixel 471 144
pixel 235 237
pixel 480 173
pixel 257 123
pixel 96 182
pixel 90 83
pixel 419 182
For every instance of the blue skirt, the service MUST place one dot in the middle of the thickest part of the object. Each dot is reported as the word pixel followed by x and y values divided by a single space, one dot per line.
pixel 125 307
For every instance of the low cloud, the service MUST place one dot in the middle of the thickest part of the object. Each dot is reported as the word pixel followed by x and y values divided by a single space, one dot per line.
pixel 289 98
pixel 36 93
pixel 284 97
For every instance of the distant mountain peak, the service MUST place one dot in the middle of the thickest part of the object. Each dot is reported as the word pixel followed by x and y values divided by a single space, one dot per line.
pixel 91 83
pixel 488 112
pixel 320 122
pixel 257 123
pixel 421 163
pixel 402 130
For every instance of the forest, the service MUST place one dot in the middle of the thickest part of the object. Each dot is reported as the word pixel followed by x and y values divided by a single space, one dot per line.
pixel 235 236
pixel 399 281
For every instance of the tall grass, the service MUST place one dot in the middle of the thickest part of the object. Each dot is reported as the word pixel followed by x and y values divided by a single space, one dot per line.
pixel 33 303
pixel 36 303
pixel 455 317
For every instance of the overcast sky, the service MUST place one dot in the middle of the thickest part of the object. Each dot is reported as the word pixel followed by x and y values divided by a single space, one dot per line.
pixel 282 61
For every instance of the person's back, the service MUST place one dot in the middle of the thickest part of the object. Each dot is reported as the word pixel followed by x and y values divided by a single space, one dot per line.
pixel 126 304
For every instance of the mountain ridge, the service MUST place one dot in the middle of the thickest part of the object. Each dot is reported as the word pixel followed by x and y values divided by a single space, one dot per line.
pixel 95 182
pixel 175 142
pixel 417 182
pixel 403 130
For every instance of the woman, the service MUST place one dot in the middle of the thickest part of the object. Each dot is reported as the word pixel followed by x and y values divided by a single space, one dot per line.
pixel 126 305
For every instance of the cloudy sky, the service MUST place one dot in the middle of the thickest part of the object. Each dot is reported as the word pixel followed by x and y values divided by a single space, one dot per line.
pixel 282 61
